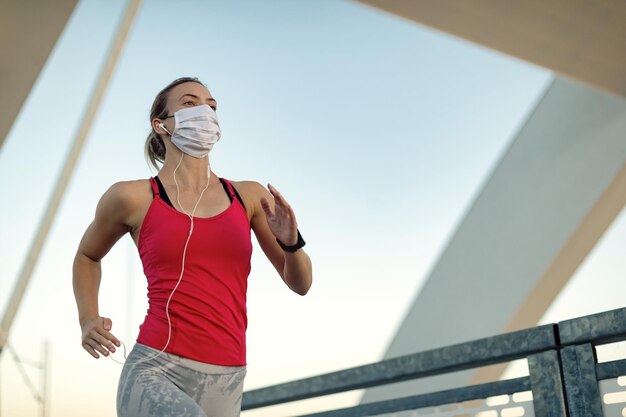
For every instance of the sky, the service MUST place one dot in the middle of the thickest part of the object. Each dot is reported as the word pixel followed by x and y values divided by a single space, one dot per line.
pixel 378 131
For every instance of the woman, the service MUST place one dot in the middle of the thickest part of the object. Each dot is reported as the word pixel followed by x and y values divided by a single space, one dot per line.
pixel 192 230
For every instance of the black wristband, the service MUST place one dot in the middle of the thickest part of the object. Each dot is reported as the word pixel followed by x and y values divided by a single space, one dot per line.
pixel 291 249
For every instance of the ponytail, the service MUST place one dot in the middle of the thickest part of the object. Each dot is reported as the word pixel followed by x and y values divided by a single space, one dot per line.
pixel 155 149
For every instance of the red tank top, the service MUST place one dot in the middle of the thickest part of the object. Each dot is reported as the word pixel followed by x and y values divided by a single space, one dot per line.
pixel 208 309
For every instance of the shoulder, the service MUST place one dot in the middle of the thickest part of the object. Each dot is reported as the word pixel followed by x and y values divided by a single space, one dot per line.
pixel 127 191
pixel 124 197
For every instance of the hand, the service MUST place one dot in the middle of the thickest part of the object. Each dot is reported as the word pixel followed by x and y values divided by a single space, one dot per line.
pixel 282 222
pixel 97 338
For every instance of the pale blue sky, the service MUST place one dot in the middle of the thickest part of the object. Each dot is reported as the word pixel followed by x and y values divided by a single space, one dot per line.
pixel 378 131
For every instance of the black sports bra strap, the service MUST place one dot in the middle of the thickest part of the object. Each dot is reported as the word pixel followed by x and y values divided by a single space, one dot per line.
pixel 228 188
pixel 162 194
pixel 232 191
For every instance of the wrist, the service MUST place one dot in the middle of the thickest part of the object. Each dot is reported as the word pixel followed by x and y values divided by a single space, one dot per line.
pixel 292 248
pixel 84 319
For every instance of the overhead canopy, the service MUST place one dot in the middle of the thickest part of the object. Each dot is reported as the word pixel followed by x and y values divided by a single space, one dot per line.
pixel 29 29
pixel 584 39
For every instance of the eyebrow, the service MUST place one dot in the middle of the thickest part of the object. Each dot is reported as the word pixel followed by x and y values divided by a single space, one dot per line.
pixel 197 98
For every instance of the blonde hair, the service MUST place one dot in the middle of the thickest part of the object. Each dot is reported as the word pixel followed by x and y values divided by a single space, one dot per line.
pixel 154 147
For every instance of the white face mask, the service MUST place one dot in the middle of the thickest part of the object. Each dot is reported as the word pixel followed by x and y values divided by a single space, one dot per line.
pixel 196 130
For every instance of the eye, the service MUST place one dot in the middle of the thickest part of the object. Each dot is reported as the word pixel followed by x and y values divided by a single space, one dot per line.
pixel 188 103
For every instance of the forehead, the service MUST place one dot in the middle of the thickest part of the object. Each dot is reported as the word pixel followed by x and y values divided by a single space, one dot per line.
pixel 195 89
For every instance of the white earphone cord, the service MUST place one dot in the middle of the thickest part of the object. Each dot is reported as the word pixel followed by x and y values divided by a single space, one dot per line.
pixel 182 270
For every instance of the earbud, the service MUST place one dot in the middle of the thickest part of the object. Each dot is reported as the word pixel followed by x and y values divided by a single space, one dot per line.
pixel 162 126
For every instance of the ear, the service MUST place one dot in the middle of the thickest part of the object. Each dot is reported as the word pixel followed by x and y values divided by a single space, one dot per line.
pixel 157 126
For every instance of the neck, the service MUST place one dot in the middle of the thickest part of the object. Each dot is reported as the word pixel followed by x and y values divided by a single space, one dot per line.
pixel 192 173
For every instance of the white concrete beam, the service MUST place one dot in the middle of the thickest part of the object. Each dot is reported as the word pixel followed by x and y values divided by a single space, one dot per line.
pixel 29 29
pixel 91 110
pixel 552 196
pixel 581 39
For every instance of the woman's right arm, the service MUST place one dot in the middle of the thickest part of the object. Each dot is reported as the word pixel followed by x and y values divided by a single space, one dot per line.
pixel 111 222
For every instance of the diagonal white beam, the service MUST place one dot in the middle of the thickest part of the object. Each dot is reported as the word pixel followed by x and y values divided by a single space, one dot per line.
pixel 68 168
pixel 547 203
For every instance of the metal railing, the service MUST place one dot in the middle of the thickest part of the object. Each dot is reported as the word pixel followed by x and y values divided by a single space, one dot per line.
pixel 564 374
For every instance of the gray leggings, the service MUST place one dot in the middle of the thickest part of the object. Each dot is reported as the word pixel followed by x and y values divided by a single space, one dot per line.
pixel 173 386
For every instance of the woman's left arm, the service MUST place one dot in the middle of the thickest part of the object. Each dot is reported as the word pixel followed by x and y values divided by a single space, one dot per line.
pixel 272 219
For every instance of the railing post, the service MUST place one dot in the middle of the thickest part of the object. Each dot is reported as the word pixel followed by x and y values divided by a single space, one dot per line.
pixel 546 384
pixel 581 383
